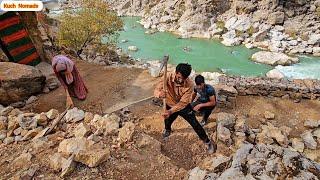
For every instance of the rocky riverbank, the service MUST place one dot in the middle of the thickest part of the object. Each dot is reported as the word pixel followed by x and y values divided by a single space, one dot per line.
pixel 278 26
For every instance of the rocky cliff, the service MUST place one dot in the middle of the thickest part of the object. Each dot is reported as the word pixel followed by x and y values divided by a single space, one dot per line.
pixel 291 26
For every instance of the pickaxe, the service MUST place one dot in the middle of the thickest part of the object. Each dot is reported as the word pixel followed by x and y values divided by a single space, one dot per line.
pixel 164 66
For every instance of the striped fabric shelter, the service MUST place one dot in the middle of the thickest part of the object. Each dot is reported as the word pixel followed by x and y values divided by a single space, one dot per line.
pixel 15 41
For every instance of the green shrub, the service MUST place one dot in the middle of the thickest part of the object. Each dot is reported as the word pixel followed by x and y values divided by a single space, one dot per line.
pixel 88 25
pixel 220 24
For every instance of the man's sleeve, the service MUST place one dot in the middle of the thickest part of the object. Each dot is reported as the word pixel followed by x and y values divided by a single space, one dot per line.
pixel 184 101
pixel 211 92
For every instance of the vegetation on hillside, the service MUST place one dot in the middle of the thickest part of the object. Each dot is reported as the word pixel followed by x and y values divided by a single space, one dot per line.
pixel 88 26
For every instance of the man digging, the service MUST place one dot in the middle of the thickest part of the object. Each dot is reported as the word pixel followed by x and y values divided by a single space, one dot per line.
pixel 178 98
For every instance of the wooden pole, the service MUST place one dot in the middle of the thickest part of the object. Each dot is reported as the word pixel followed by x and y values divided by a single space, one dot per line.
pixel 165 61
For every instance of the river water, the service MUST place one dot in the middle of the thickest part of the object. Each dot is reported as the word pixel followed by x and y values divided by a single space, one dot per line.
pixel 206 55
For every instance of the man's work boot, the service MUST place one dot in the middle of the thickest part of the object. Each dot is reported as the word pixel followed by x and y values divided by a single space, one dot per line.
pixel 166 134
pixel 212 147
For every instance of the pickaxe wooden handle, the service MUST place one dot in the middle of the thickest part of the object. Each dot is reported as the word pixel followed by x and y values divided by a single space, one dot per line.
pixel 164 66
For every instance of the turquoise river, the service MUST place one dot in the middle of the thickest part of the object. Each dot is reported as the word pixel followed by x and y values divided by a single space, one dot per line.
pixel 206 55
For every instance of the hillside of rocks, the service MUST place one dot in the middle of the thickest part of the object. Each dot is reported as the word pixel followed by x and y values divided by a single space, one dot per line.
pixel 291 26
pixel 118 145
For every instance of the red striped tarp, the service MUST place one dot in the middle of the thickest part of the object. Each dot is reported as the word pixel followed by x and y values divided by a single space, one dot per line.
pixel 15 41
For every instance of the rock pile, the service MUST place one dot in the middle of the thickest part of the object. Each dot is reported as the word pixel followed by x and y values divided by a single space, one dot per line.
pixel 264 153
pixel 82 140
pixel 257 162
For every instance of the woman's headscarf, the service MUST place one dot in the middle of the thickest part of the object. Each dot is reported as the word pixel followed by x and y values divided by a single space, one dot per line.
pixel 61 63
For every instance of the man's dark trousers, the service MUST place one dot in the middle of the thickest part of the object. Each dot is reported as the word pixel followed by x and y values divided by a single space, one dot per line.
pixel 205 111
pixel 187 114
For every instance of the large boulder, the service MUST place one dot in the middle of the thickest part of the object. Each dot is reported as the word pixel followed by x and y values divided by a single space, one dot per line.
pixel 52 81
pixel 84 150
pixel 230 39
pixel 74 145
pixel 108 124
pixel 275 74
pixel 74 115
pixel 276 18
pixel 19 82
pixel 273 58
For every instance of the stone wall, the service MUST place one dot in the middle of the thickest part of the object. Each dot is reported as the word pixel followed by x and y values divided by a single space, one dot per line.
pixel 284 88
pixel 226 96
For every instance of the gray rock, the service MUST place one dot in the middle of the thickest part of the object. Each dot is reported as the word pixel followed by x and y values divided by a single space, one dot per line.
pixel 3 135
pixel 17 131
pixel 232 173
pixel 275 73
pixel 314 39
pixel 218 160
pixel 3 123
pixel 226 120
pixel 19 82
pixel 276 18
pixel 297 144
pixel 229 24
pixel 26 122
pixel 6 111
pixel 270 133
pixel 15 112
pixel 18 138
pixel 309 140
pixel 273 58
pixel 19 104
pixel 241 155
pixel 92 157
pixel 107 124
pixel 31 100
pixel 133 48
pixel 82 130
pixel 8 140
pixel 305 175
pixel 230 39
pixel 74 145
pixel 197 174
pixel 311 123
pixel 313 8
pixel 94 138
pixel 42 119
pixel 241 125
pixel 74 115
pixel 52 114
pixel 68 167
pixel 224 134
pixel 260 36
pixel 316 133
pixel 126 132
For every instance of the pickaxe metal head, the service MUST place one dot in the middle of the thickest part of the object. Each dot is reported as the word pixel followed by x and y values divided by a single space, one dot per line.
pixel 164 62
